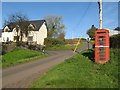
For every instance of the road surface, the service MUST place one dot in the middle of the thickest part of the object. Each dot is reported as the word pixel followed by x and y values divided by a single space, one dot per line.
pixel 22 75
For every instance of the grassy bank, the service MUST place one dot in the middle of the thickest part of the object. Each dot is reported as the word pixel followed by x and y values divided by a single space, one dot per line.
pixel 81 72
pixel 19 56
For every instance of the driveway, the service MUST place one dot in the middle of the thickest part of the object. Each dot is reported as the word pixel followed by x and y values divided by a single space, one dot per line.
pixel 22 75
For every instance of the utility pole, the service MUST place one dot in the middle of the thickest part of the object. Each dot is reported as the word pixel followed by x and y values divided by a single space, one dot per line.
pixel 101 41
pixel 100 13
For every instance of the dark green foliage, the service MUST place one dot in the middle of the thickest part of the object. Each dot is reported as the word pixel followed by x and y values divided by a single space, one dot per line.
pixel 20 43
pixel 36 47
pixel 117 28
pixel 49 42
pixel 4 49
pixel 7 47
pixel 89 54
pixel 32 47
pixel 91 32
pixel 114 41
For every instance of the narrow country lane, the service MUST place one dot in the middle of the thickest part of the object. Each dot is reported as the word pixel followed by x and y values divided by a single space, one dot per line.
pixel 22 75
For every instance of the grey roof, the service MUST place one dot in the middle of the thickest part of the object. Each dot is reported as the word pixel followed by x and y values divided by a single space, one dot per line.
pixel 37 23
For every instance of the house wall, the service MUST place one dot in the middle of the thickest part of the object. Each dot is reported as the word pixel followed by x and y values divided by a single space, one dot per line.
pixel 42 34
pixel 15 33
pixel 6 28
pixel 38 36
pixel 113 32
pixel 24 38
pixel 6 35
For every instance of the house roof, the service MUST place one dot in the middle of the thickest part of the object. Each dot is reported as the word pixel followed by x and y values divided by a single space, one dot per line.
pixel 36 23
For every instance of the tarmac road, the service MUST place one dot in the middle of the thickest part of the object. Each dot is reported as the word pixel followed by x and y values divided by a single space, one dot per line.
pixel 22 75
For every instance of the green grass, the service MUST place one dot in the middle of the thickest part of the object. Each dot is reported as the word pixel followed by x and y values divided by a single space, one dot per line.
pixel 63 47
pixel 80 72
pixel 19 56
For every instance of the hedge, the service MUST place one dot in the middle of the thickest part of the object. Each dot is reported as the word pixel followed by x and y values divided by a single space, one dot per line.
pixel 49 42
pixel 114 41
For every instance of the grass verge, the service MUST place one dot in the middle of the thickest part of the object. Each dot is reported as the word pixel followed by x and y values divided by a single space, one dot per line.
pixel 19 56
pixel 81 72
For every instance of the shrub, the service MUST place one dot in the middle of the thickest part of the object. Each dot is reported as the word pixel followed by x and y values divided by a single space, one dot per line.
pixel 49 42
pixel 7 47
pixel 20 43
pixel 34 47
pixel 4 49
pixel 114 41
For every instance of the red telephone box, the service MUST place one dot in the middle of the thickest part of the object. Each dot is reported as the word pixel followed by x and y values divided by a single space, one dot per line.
pixel 102 46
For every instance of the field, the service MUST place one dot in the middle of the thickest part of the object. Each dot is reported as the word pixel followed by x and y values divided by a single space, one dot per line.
pixel 19 56
pixel 81 72
pixel 63 47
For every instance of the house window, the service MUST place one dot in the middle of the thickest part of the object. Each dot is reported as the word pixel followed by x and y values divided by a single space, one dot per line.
pixel 30 38
pixel 7 39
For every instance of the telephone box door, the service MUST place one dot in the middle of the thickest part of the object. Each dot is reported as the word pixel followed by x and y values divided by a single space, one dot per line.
pixel 101 46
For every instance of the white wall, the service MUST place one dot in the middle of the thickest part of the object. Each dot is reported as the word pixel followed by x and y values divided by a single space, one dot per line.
pixel 42 34
pixel 38 36
pixel 113 32
pixel 6 35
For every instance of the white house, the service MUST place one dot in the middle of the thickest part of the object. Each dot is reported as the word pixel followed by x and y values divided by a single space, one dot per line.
pixel 113 32
pixel 37 35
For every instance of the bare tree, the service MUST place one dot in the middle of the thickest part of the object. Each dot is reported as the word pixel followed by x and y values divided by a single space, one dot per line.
pixel 55 26
pixel 20 22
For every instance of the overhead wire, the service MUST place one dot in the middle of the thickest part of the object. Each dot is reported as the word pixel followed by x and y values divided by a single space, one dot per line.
pixel 83 16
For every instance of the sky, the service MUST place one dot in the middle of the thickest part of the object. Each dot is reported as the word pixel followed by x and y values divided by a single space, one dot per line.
pixel 78 17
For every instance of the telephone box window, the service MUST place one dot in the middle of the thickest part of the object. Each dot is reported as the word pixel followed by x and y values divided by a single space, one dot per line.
pixel 101 40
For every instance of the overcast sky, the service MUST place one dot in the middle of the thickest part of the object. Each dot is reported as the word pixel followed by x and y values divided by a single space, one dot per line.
pixel 77 16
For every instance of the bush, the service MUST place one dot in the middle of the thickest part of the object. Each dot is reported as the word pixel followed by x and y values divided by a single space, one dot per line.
pixel 114 41
pixel 34 47
pixel 20 43
pixel 4 49
pixel 49 42
pixel 7 47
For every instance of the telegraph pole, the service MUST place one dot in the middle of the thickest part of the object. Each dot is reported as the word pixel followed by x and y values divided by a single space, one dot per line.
pixel 101 41
pixel 100 13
